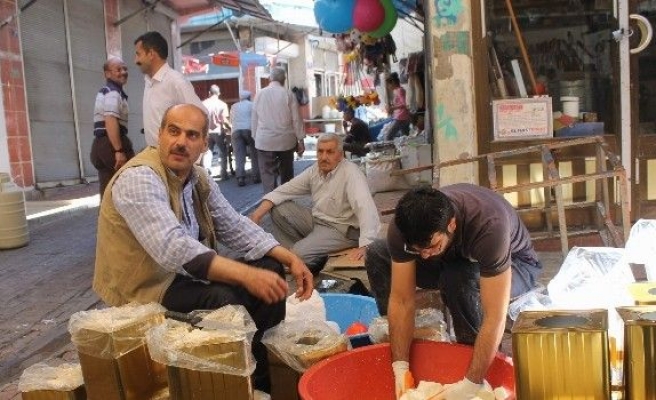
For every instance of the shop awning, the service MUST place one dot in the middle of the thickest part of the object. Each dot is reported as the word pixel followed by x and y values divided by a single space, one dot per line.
pixel 249 7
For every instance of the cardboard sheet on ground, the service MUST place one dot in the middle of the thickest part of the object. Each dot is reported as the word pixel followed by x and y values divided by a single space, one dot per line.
pixel 341 259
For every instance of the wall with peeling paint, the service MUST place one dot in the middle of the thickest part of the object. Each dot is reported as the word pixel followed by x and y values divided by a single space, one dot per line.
pixel 453 110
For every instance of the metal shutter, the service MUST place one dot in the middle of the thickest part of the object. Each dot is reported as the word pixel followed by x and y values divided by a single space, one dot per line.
pixel 87 37
pixel 48 89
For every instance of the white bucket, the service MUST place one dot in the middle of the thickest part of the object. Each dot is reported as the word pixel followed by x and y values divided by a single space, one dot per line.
pixel 13 230
pixel 570 106
pixel 329 128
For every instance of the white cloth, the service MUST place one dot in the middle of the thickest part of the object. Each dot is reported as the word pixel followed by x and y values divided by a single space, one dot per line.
pixel 217 111
pixel 166 88
pixel 276 124
pixel 240 115
pixel 341 198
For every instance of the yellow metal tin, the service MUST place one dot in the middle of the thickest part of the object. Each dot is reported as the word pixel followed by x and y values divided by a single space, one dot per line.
pixel 639 352
pixel 561 355
pixel 643 293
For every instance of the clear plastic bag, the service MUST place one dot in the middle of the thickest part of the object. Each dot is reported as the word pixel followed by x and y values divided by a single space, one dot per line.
pixel 534 300
pixel 429 325
pixel 112 332
pixel 226 350
pixel 64 377
pixel 302 343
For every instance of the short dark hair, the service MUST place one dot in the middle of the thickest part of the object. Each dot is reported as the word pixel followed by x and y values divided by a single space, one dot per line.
pixel 393 78
pixel 420 213
pixel 153 40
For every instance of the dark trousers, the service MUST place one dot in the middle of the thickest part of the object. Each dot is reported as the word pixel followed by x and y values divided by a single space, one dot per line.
pixel 222 141
pixel 457 280
pixel 186 294
pixel 275 165
pixel 103 158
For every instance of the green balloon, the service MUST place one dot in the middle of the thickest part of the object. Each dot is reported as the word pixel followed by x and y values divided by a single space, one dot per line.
pixel 389 22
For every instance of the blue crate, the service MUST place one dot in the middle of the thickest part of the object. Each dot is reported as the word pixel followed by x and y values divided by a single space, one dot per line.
pixel 581 129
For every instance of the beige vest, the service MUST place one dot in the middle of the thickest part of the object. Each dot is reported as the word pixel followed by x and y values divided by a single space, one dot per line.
pixel 124 271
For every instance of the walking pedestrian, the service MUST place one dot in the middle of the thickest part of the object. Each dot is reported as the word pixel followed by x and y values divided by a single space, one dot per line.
pixel 278 131
pixel 242 138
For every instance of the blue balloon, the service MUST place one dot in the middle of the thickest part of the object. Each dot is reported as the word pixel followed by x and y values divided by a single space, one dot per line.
pixel 334 16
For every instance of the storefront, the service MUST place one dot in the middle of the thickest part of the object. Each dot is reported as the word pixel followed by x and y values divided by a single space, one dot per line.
pixel 565 49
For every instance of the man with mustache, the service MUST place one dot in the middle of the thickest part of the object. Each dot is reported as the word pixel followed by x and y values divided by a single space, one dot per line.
pixel 111 146
pixel 160 221
pixel 343 213
pixel 470 243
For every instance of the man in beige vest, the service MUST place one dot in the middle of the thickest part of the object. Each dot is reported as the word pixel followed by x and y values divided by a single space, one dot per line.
pixel 159 222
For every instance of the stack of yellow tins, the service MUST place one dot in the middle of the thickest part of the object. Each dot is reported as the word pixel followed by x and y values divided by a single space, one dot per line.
pixel 561 355
pixel 643 293
pixel 639 352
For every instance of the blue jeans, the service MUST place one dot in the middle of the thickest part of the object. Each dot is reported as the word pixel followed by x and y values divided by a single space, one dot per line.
pixel 457 280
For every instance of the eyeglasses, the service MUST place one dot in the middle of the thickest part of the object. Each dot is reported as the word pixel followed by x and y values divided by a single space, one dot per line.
pixel 437 245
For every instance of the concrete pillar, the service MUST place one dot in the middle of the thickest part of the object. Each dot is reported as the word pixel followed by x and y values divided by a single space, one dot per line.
pixel 14 124
pixel 449 25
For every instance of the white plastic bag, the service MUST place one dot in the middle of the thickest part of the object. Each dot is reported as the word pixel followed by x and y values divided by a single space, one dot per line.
pixel 641 246
pixel 378 175
pixel 312 308
pixel 592 277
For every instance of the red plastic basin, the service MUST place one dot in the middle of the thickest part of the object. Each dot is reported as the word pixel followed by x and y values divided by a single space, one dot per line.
pixel 366 372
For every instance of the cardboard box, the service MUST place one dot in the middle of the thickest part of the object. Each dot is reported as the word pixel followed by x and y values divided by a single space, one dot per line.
pixel 284 379
pixel 116 365
pixel 639 356
pixel 188 384
pixel 561 355
pixel 522 118
pixel 76 394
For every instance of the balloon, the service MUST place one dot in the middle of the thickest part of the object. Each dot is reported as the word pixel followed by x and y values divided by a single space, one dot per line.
pixel 334 16
pixel 390 20
pixel 368 15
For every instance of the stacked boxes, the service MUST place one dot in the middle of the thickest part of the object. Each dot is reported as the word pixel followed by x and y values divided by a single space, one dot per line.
pixel 561 355
pixel 639 351
pixel 114 357
pixel 207 364
pixel 44 382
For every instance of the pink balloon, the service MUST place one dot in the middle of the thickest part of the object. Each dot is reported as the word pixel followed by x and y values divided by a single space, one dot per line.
pixel 368 15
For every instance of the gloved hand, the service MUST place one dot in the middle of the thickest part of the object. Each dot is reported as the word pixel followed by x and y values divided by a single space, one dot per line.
pixel 403 379
pixel 463 390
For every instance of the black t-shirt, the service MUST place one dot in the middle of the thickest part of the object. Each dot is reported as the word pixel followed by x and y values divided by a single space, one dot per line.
pixel 488 230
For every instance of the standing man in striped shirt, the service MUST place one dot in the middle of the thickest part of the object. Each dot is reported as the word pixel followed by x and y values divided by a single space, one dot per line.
pixel 111 146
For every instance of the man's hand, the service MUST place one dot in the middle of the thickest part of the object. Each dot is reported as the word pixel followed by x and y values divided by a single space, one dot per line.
pixel 265 285
pixel 120 159
pixel 403 380
pixel 300 148
pixel 358 254
pixel 463 390
pixel 303 278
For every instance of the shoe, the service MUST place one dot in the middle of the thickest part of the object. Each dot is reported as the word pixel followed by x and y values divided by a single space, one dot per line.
pixel 241 181
pixel 257 180
pixel 225 177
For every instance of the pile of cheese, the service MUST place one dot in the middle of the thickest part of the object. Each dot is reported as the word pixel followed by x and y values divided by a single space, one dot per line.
pixel 433 391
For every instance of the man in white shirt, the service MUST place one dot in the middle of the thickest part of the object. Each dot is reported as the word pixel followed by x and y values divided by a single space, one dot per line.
pixel 278 131
pixel 343 213
pixel 242 138
pixel 164 86
pixel 219 128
